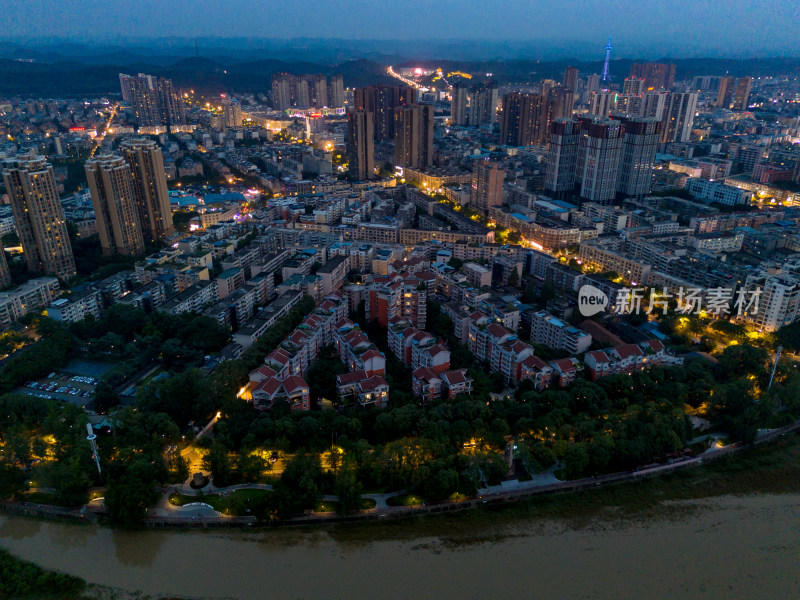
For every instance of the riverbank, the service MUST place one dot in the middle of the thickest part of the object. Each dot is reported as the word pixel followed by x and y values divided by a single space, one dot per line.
pixel 727 546
pixel 736 517
pixel 204 515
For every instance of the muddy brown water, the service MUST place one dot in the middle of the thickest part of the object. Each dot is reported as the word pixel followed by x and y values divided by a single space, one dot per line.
pixel 728 547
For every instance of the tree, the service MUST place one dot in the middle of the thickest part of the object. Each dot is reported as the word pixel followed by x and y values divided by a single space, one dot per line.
pixel 251 467
pixel 71 480
pixel 130 495
pixel 456 263
pixel 12 482
pixel 22 579
pixel 441 483
pixel 741 360
pixel 300 485
pixel 104 397
pixel 180 468
pixel 576 459
pixel 513 278
pixel 348 489
pixel 218 462
pixel 529 295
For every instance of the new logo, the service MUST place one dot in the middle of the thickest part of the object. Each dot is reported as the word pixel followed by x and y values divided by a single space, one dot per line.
pixel 591 300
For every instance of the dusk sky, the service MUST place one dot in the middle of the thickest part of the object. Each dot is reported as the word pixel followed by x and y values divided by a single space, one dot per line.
pixel 678 27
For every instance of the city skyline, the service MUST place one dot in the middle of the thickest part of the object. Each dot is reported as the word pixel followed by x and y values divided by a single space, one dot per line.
pixel 678 29
pixel 357 262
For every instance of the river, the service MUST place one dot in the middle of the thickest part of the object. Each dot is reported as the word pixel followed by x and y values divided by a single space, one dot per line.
pixel 731 547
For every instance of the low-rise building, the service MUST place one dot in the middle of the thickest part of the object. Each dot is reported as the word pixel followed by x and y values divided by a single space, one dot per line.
pixel 555 333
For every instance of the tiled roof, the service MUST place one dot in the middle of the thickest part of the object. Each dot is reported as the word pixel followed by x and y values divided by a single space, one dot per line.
pixel 564 365
pixel 372 383
pixel 294 382
pixel 628 350
pixel 497 330
pixel 371 353
pixel 425 374
pixel 268 386
pixel 348 378
pixel 598 356
pixel 454 377
pixel 263 371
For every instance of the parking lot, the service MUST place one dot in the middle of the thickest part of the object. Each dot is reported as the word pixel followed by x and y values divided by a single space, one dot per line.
pixel 76 389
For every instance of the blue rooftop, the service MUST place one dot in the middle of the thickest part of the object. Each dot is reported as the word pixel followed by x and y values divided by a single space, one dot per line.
pixel 226 197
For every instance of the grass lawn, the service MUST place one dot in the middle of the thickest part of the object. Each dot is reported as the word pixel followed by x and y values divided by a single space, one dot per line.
pixel 45 498
pixel 41 498
pixel 235 503
pixel 333 506
pixel 405 500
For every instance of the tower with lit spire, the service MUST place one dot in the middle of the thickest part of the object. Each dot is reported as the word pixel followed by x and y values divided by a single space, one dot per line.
pixel 604 76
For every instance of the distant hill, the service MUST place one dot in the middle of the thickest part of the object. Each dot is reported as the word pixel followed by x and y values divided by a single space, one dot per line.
pixel 79 74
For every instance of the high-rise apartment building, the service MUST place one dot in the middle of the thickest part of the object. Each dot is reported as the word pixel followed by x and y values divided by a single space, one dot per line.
pixel 639 146
pixel 653 104
pixel 149 187
pixel 38 216
pixel 154 100
pixel 599 153
pixel 562 158
pixel 302 94
pixel 360 145
pixel 111 187
pixel 633 86
pixel 657 76
pixel 724 92
pixel 593 83
pixel 336 92
pixel 232 112
pixel 483 105
pixel 602 104
pixel 678 117
pixel 413 140
pixel 306 91
pixel 170 102
pixel 281 91
pixel 125 86
pixel 524 116
pixel 487 185
pixel 741 95
pixel 571 79
pixel 319 91
pixel 561 101
pixel 381 101
pixel 458 104
pixel 5 273
pixel 527 117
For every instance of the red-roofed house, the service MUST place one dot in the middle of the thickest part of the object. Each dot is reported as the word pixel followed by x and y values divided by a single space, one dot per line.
pixel 653 352
pixel 396 295
pixel 426 384
pixel 293 389
pixel 566 370
pixel 455 382
pixel 538 371
pixel 435 356
pixel 363 388
pixel 260 374
pixel 626 358
pixel 597 363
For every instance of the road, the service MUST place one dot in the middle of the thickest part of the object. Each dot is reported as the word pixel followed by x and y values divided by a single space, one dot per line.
pixel 101 136
pixel 405 80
